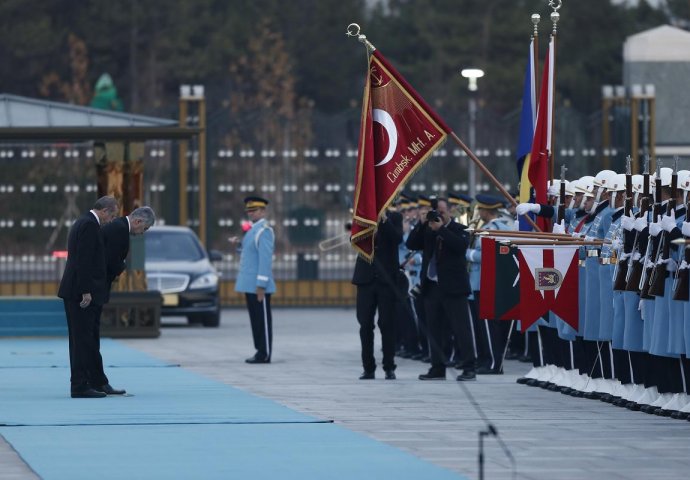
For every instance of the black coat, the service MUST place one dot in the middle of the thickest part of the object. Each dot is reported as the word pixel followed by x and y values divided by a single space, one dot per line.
pixel 85 271
pixel 450 245
pixel 116 241
pixel 385 265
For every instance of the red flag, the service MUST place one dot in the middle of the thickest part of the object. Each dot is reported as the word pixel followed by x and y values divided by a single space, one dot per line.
pixel 398 133
pixel 548 282
pixel 541 144
pixel 499 273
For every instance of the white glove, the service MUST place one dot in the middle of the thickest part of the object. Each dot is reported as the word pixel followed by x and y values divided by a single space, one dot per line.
pixel 559 227
pixel 627 222
pixel 655 227
pixel 640 223
pixel 686 229
pixel 668 222
pixel 524 208
pixel 616 244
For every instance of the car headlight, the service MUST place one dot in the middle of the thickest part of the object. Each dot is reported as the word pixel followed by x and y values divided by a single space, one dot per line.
pixel 207 280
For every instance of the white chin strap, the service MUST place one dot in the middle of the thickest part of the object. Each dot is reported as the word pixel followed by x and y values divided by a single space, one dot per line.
pixel 594 207
pixel 685 196
pixel 571 205
pixel 636 196
pixel 612 202
pixel 600 190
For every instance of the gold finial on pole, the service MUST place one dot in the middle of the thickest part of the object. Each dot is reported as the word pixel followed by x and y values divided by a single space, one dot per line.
pixel 353 30
pixel 555 16
pixel 535 20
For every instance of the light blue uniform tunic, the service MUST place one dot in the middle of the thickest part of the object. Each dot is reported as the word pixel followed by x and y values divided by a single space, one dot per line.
pixel 256 259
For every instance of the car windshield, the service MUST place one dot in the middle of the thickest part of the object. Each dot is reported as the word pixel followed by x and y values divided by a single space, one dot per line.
pixel 172 246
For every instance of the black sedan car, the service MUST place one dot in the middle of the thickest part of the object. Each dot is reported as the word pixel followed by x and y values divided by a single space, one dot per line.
pixel 178 266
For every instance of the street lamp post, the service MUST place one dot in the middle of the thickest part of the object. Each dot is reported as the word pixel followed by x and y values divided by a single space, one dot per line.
pixel 472 74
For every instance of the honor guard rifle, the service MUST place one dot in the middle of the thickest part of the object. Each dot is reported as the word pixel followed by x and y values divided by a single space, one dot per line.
pixel 657 281
pixel 561 198
pixel 621 271
pixel 681 284
pixel 653 243
pixel 635 266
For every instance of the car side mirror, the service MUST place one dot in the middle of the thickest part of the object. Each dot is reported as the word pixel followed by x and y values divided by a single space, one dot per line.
pixel 215 256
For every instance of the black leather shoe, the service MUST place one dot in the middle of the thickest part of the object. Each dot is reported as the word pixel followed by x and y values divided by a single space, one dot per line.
pixel 109 390
pixel 390 375
pixel 680 415
pixel 522 380
pixel 433 375
pixel 88 393
pixel 256 359
pixel 467 376
pixel 367 376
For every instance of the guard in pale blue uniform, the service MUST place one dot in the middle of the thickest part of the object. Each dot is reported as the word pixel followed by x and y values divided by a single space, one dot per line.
pixel 493 334
pixel 255 277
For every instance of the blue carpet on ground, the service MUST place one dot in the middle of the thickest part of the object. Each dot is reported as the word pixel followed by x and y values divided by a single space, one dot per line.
pixel 176 425
pixel 54 352
pixel 286 452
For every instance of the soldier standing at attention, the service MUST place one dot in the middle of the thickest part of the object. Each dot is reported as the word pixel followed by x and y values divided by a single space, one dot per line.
pixel 255 277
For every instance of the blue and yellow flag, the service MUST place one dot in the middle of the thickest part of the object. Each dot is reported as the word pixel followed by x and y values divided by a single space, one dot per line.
pixel 528 118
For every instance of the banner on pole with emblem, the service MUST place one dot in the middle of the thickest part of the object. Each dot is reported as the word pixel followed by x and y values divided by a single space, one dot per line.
pixel 398 133
pixel 548 282
pixel 499 281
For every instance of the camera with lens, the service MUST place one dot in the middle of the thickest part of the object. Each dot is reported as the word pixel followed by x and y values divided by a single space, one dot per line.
pixel 433 216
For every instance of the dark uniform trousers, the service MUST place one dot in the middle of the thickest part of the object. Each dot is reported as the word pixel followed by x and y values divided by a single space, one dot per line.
pixel 449 310
pixel 262 324
pixel 373 296
pixel 86 363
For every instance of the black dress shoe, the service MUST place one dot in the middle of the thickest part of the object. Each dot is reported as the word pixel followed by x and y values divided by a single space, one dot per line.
pixel 467 376
pixel 109 390
pixel 367 376
pixel 390 375
pixel 256 359
pixel 592 395
pixel 680 415
pixel 433 375
pixel 522 380
pixel 87 393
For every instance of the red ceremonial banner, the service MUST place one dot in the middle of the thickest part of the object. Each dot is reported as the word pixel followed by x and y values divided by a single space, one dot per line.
pixel 398 133
pixel 548 282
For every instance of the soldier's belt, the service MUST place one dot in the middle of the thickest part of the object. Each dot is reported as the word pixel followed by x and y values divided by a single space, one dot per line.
pixel 593 253
pixel 581 263
pixel 608 261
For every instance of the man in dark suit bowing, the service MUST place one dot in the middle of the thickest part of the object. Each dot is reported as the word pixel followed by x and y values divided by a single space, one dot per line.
pixel 116 239
pixel 83 290
pixel 376 291
pixel 445 287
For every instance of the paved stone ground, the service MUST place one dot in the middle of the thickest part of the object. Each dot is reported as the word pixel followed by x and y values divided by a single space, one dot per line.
pixel 315 369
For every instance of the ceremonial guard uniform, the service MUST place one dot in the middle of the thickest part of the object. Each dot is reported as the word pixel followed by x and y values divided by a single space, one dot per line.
pixel 491 335
pixel 255 278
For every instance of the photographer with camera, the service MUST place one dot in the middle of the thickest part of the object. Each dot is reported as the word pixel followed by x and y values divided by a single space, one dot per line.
pixel 445 286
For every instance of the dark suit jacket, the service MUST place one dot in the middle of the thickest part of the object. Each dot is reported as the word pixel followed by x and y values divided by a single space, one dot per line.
pixel 385 265
pixel 450 244
pixel 85 270
pixel 116 241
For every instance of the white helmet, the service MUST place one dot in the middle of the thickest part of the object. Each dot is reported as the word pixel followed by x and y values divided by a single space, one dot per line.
pixel 604 178
pixel 684 179
pixel 618 183
pixel 569 188
pixel 638 183
pixel 666 174
pixel 586 185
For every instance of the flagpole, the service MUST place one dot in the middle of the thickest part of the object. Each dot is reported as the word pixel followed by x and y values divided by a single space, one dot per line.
pixel 535 54
pixel 491 177
pixel 555 16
